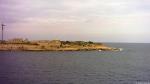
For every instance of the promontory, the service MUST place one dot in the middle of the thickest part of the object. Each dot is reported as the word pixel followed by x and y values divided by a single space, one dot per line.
pixel 19 44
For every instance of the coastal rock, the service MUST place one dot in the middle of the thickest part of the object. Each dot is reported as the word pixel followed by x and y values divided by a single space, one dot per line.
pixel 55 45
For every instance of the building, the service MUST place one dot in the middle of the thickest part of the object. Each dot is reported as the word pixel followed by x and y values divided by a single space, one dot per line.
pixel 47 43
pixel 16 40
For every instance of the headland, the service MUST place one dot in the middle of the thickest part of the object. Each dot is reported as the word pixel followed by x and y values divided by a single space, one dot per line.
pixel 19 44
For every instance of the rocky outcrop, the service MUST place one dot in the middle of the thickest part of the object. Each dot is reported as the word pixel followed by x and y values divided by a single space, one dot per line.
pixel 56 45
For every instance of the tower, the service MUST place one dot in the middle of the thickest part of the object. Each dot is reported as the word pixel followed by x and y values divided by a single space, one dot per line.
pixel 3 32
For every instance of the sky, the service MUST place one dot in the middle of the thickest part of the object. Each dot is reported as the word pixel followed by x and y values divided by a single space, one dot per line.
pixel 94 20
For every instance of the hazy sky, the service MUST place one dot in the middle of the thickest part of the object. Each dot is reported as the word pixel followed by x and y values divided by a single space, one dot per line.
pixel 95 20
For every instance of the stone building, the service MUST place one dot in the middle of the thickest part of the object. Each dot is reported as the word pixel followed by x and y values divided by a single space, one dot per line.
pixel 53 43
pixel 16 40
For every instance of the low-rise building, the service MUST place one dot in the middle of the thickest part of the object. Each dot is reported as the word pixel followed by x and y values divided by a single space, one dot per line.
pixel 53 43
pixel 16 40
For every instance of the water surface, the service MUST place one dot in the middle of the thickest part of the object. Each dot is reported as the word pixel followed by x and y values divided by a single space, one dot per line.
pixel 130 66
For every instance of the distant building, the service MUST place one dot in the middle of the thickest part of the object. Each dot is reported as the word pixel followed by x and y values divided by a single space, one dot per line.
pixel 55 43
pixel 16 40
pixel 47 43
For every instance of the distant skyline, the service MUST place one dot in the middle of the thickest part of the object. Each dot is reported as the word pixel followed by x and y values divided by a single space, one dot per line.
pixel 95 20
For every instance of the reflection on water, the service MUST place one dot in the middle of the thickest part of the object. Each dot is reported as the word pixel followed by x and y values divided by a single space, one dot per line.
pixel 130 66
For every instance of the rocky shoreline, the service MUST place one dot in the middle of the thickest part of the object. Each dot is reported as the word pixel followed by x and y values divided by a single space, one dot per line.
pixel 54 45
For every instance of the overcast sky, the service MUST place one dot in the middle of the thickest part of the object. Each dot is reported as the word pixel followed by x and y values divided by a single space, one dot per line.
pixel 95 20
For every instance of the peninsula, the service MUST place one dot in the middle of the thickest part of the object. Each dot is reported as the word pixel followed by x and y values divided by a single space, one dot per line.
pixel 19 44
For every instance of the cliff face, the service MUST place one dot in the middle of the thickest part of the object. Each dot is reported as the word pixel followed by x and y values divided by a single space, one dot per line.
pixel 55 45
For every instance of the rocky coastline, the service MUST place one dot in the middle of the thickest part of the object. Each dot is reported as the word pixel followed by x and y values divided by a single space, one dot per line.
pixel 53 45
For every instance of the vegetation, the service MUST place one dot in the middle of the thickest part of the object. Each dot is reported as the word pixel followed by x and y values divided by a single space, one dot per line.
pixel 21 44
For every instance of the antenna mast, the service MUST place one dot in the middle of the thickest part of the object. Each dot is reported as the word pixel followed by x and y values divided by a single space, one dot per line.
pixel 3 32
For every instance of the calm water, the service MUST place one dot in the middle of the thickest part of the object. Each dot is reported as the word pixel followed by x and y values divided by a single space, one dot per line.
pixel 131 66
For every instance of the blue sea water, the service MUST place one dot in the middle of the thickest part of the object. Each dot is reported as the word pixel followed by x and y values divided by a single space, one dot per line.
pixel 130 66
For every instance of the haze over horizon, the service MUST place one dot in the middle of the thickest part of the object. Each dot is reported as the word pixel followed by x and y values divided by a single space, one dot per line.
pixel 95 20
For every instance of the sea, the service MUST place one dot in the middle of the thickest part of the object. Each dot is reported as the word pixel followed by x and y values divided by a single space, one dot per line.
pixel 130 66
